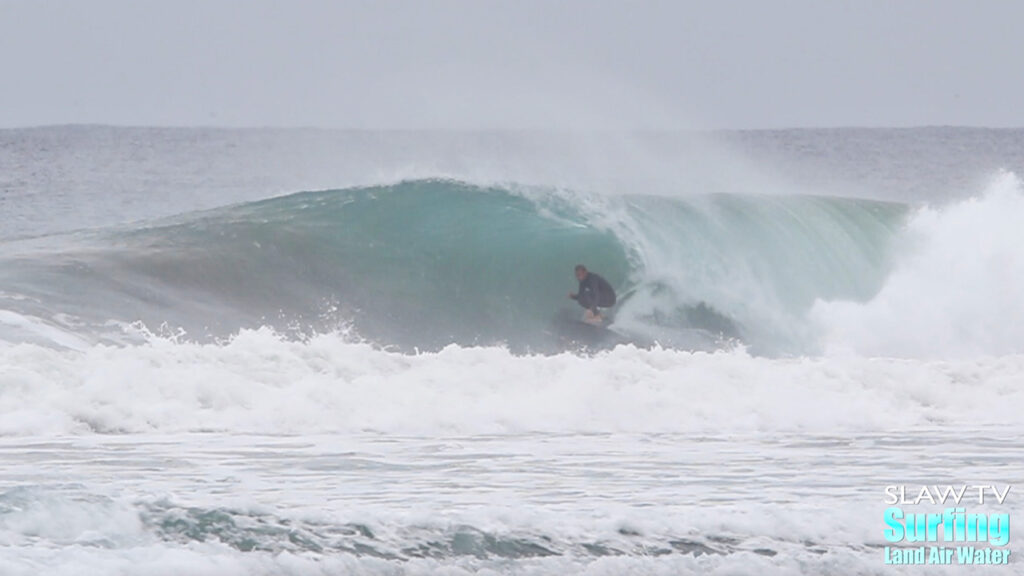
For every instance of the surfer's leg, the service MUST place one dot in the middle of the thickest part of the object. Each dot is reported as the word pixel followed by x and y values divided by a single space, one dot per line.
pixel 585 302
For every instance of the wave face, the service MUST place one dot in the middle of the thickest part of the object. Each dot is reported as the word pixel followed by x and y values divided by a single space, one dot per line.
pixel 424 264
pixel 427 263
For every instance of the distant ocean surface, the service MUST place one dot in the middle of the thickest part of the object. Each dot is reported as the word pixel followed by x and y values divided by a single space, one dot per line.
pixel 306 352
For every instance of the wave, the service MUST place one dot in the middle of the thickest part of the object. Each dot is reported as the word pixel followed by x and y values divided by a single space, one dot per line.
pixel 58 533
pixel 422 264
pixel 246 530
pixel 58 529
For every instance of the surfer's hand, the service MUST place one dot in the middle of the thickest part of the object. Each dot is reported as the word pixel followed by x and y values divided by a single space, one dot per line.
pixel 572 295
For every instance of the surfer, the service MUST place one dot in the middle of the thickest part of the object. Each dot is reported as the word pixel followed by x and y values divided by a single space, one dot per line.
pixel 594 292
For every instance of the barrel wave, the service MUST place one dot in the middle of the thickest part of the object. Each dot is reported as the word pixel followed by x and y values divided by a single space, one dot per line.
pixel 422 264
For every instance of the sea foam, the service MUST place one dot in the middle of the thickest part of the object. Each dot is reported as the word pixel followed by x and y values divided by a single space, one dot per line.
pixel 261 382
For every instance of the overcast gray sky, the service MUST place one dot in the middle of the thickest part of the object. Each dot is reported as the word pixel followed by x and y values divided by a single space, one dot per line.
pixel 515 64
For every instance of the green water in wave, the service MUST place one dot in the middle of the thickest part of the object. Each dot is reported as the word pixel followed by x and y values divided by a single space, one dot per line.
pixel 422 264
pixel 418 265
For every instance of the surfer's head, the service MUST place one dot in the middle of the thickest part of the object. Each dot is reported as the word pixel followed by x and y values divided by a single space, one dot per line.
pixel 581 271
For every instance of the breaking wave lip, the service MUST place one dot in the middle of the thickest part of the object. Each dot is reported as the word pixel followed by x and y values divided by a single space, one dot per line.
pixel 954 290
pixel 422 264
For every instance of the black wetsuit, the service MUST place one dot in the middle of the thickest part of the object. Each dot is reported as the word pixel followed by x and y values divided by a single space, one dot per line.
pixel 594 292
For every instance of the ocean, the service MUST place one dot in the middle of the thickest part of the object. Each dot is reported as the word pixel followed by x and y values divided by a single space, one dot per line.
pixel 314 352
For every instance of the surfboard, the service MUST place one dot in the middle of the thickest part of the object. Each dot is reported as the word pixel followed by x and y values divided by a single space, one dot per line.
pixel 575 332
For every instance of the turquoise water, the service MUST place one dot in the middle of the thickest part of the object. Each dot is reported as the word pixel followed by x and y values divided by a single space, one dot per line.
pixel 427 263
